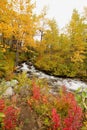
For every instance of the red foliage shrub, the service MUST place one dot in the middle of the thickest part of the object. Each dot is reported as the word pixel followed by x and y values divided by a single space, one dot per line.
pixel 55 119
pixel 11 118
pixel 70 112
pixel 36 92
pixel 74 119
pixel 11 115
pixel 59 112
pixel 2 105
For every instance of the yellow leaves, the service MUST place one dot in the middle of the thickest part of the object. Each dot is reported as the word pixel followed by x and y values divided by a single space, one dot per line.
pixel 2 5
pixel 76 30
pixel 20 25
pixel 77 57
pixel 24 49
pixel 3 47
pixel 21 7
pixel 4 50
pixel 6 46
pixel 5 19
pixel 8 31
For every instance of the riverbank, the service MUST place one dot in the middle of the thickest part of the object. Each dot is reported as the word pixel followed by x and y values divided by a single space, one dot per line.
pixel 36 95
pixel 54 81
pixel 81 78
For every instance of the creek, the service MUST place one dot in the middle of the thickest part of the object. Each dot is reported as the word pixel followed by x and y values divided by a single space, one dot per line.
pixel 54 82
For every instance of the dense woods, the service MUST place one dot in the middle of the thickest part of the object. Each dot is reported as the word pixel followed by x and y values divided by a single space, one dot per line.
pixel 65 54
pixel 60 54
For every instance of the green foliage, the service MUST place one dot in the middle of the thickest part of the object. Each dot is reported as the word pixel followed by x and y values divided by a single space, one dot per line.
pixel 2 116
pixel 81 96
pixel 3 87
pixel 23 82
pixel 7 65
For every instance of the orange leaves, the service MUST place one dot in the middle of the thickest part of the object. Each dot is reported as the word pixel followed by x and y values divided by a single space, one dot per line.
pixel 36 92
pixel 44 99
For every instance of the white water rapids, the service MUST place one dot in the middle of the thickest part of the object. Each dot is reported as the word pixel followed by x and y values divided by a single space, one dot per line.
pixel 53 82
pixel 71 84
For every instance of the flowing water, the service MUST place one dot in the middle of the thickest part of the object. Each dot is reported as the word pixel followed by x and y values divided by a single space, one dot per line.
pixel 55 82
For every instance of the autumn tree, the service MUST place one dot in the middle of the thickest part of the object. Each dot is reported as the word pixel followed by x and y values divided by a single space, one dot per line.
pixel 22 25
pixel 65 53
pixel 85 37
pixel 42 27
pixel 17 27
pixel 76 35
pixel 5 33
pixel 50 40
pixel 5 20
pixel 51 36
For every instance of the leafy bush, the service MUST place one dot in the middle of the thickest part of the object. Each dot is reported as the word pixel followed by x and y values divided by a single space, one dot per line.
pixel 7 65
pixel 23 82
pixel 3 87
pixel 59 112
pixel 81 97
pixel 8 116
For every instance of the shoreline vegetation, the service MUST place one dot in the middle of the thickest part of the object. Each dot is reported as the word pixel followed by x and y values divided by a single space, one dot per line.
pixel 29 105
pixel 32 106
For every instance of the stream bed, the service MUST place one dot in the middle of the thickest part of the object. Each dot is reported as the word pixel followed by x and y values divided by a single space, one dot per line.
pixel 55 82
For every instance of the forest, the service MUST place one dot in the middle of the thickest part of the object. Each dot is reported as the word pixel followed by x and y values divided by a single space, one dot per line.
pixel 29 37
pixel 60 54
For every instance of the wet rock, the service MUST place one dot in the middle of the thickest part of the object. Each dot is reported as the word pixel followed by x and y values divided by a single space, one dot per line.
pixel 12 83
pixel 9 88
